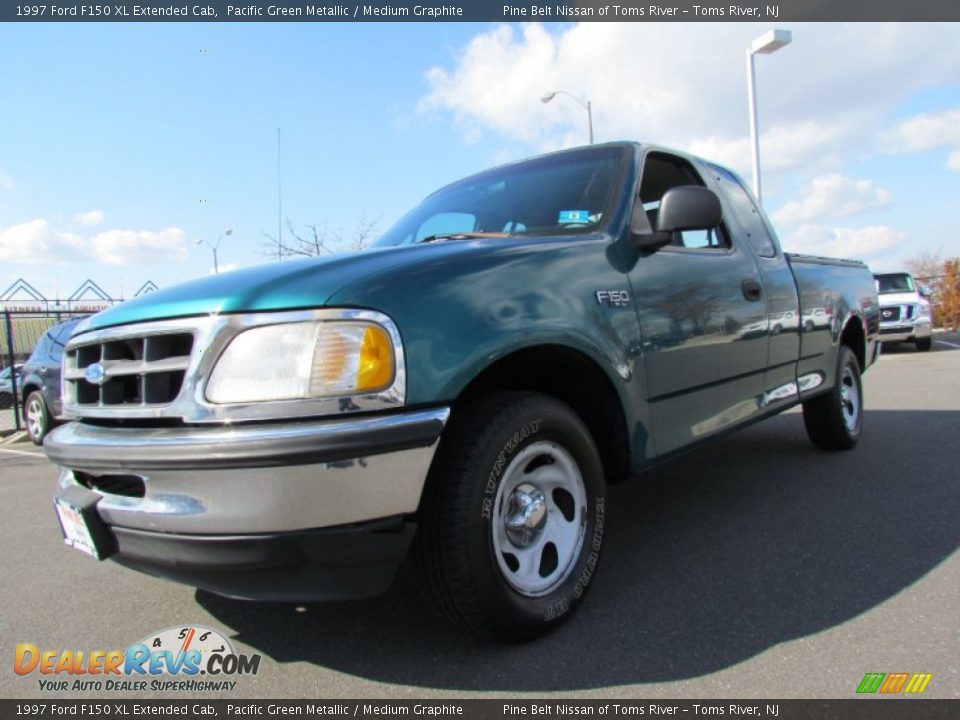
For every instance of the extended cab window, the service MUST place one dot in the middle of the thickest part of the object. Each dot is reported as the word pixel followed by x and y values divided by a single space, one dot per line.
pixel 662 172
pixel 750 217
pixel 567 193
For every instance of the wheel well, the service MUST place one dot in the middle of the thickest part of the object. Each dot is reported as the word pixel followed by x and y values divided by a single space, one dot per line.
pixel 573 378
pixel 25 393
pixel 854 338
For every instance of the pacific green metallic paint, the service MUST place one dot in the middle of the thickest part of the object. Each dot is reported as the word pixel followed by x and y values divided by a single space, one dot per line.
pixel 458 318
pixel 461 305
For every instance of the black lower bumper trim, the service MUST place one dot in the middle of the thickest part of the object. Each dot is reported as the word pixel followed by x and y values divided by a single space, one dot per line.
pixel 339 563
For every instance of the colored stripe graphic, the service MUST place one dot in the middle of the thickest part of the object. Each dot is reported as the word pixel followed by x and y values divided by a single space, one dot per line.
pixel 870 683
pixel 918 683
pixel 894 682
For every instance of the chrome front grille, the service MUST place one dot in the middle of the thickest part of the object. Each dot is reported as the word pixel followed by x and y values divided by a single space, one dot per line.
pixel 157 370
pixel 889 313
pixel 127 371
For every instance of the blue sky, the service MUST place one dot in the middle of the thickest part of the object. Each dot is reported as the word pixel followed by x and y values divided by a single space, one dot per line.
pixel 122 145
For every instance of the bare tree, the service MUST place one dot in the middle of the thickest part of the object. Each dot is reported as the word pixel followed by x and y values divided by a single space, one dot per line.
pixel 312 240
pixel 925 265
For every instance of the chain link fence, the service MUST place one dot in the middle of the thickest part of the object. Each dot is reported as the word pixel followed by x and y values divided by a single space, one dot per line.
pixel 20 332
pixel 25 317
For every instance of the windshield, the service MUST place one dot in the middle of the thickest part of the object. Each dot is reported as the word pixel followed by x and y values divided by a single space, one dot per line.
pixel 563 194
pixel 894 283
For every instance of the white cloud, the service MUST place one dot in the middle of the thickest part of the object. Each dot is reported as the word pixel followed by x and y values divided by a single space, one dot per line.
pixel 35 242
pixel 867 243
pixel 683 85
pixel 92 217
pixel 224 268
pixel 128 247
pixel 832 196
pixel 783 147
pixel 928 131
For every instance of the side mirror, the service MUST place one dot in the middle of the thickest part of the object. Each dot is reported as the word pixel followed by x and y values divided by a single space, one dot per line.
pixel 924 291
pixel 688 207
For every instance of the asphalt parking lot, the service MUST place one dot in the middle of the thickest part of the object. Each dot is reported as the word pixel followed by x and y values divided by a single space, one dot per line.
pixel 756 567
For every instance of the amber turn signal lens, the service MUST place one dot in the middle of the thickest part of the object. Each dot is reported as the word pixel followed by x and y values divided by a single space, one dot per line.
pixel 375 370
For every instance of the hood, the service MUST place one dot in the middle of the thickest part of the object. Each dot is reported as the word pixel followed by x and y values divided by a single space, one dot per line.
pixel 289 285
pixel 903 298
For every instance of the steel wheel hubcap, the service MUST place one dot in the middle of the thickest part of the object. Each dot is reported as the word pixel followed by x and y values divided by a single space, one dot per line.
pixel 539 519
pixel 849 399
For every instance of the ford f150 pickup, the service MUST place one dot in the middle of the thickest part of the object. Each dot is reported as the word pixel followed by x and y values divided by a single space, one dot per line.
pixel 465 390
pixel 905 314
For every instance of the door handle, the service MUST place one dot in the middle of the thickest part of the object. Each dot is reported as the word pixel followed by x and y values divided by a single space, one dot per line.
pixel 751 289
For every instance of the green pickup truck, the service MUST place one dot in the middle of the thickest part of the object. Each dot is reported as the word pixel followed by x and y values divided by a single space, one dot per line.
pixel 464 391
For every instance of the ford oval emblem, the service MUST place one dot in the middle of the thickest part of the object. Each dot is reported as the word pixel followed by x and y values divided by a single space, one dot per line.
pixel 94 374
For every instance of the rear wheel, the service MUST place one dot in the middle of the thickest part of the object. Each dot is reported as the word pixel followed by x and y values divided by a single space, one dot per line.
pixel 834 419
pixel 924 344
pixel 36 416
pixel 513 518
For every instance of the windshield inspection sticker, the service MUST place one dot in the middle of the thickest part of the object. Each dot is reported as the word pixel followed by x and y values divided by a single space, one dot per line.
pixel 573 216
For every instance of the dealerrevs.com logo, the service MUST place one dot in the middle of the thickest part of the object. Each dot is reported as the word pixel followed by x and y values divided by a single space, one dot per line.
pixel 179 659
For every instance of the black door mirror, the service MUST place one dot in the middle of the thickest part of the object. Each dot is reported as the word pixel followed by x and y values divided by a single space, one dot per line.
pixel 687 207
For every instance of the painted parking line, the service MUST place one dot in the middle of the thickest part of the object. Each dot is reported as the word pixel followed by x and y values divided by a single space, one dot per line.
pixel 38 454
pixel 948 344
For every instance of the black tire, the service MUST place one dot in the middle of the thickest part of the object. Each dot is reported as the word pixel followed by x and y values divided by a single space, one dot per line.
pixel 36 417
pixel 834 419
pixel 492 461
pixel 924 344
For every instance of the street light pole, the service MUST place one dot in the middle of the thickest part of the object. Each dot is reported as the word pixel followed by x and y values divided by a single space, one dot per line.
pixel 764 45
pixel 548 96
pixel 214 247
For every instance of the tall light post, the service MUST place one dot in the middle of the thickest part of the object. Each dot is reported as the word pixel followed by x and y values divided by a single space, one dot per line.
pixel 548 96
pixel 214 247
pixel 766 44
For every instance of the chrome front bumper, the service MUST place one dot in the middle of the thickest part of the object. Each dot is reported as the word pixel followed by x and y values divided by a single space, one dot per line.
pixel 263 478
pixel 905 331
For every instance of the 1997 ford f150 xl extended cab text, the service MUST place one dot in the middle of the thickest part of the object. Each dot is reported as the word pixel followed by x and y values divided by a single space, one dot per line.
pixel 466 388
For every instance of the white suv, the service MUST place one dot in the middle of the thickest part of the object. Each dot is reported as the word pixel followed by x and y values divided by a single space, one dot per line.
pixel 905 314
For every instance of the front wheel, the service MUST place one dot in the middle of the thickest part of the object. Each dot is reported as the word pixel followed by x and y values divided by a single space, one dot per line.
pixel 924 344
pixel 37 417
pixel 834 420
pixel 513 518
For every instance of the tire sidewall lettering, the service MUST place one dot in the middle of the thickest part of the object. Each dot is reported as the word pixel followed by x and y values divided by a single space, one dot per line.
pixel 526 431
pixel 561 602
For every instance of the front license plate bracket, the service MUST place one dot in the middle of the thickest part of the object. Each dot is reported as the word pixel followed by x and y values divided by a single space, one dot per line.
pixel 81 524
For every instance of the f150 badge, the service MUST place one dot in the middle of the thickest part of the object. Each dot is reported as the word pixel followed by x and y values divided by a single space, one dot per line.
pixel 613 298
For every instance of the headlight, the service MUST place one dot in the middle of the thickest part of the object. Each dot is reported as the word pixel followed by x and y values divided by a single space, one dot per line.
pixel 303 360
pixel 923 310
